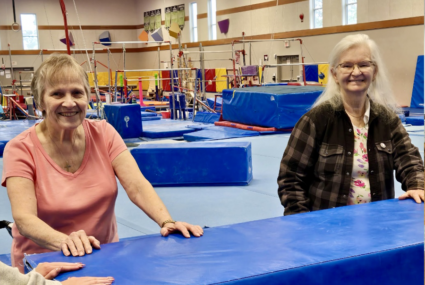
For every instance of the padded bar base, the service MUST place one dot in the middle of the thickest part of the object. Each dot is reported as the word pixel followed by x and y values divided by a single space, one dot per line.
pixel 125 118
pixel 195 164
pixel 369 244
pixel 415 120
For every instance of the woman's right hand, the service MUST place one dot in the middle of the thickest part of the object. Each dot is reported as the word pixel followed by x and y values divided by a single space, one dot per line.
pixel 78 244
pixel 88 281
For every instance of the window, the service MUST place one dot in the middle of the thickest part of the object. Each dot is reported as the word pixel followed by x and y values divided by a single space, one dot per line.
pixel 29 31
pixel 350 12
pixel 212 21
pixel 193 18
pixel 316 14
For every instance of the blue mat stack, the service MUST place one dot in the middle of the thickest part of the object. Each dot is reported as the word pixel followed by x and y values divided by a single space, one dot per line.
pixel 195 164
pixel 275 106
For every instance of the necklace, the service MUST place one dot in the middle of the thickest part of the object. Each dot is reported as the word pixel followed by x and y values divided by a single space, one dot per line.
pixel 67 164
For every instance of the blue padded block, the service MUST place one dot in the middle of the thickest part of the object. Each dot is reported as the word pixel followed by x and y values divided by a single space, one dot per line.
pixel 276 106
pixel 415 120
pixel 312 73
pixel 2 146
pixel 205 117
pixel 218 133
pixel 195 164
pixel 370 244
pixel 125 118
pixel 218 103
pixel 151 118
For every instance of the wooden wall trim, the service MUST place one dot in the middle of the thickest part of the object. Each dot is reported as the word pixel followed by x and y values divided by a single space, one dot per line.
pixel 247 8
pixel 414 21
pixel 284 2
pixel 202 16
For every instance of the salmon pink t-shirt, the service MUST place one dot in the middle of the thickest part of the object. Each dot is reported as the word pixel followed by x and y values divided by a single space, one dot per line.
pixel 66 201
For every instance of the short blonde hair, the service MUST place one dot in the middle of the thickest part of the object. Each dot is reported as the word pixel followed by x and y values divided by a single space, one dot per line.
pixel 52 71
pixel 379 90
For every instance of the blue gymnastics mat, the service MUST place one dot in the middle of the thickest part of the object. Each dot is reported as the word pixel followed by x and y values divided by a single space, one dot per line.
pixel 166 128
pixel 375 243
pixel 415 120
pixel 218 133
pixel 195 164
pixel 273 106
pixel 10 129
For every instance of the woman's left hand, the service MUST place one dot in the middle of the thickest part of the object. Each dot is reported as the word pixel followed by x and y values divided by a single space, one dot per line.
pixel 417 195
pixel 50 270
pixel 182 227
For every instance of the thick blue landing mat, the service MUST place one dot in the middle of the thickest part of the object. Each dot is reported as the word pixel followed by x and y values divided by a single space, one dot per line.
pixel 195 164
pixel 218 133
pixel 375 243
pixel 274 106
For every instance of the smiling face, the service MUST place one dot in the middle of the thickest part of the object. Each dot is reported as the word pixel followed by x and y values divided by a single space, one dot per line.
pixel 65 102
pixel 356 82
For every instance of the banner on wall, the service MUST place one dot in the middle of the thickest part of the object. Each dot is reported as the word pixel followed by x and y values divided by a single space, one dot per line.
pixel 152 20
pixel 174 14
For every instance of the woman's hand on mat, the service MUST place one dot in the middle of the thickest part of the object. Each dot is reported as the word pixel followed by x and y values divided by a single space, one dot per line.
pixel 88 281
pixel 182 227
pixel 78 244
pixel 50 270
pixel 417 195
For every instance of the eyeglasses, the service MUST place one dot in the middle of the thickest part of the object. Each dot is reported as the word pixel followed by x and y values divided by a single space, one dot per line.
pixel 363 66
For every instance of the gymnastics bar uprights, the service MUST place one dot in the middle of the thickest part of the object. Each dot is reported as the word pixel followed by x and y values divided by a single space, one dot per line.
pixel 11 69
pixel 159 69
pixel 269 40
pixel 123 45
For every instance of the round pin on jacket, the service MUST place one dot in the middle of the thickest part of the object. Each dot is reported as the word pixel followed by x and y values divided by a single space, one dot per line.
pixel 383 145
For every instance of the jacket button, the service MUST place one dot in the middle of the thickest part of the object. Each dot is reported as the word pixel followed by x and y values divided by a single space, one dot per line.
pixel 373 194
pixel 344 196
pixel 382 145
pixel 350 130
pixel 348 173
pixel 371 171
pixel 349 153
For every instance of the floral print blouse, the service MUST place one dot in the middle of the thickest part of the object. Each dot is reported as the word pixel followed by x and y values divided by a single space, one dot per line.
pixel 360 186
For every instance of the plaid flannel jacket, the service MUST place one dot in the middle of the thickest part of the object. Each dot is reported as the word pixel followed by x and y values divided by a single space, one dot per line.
pixel 315 170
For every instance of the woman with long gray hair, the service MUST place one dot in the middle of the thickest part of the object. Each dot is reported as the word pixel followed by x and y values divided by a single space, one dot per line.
pixel 345 149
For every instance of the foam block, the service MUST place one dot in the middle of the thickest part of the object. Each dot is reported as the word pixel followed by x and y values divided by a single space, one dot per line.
pixel 369 244
pixel 174 30
pixel 157 35
pixel 195 164
pixel 125 118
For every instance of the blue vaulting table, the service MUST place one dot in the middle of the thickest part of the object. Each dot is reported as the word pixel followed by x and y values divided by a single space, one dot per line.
pixel 376 243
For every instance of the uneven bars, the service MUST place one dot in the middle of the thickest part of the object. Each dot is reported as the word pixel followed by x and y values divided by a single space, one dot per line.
pixel 207 51
pixel 283 64
pixel 128 70
pixel 133 42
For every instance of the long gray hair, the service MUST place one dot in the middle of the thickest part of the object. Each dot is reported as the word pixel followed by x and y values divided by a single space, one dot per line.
pixel 379 90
